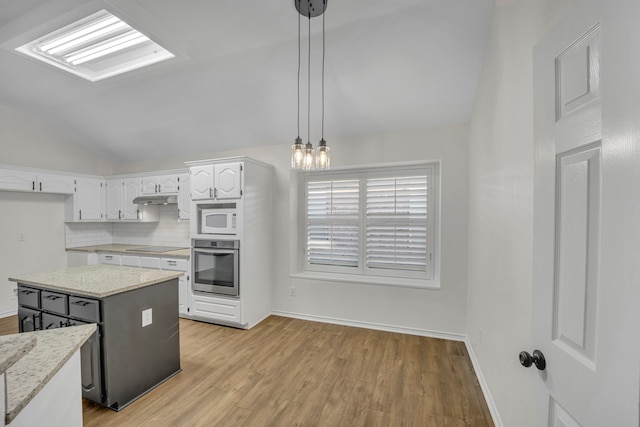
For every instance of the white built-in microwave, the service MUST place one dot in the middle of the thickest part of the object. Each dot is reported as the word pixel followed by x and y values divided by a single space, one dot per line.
pixel 218 221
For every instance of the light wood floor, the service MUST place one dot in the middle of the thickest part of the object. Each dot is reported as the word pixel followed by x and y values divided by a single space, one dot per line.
pixel 288 372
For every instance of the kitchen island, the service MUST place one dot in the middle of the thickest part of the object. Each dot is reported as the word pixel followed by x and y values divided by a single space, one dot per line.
pixel 137 344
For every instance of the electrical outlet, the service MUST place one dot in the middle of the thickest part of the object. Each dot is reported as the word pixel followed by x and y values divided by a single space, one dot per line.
pixel 292 291
pixel 147 317
pixel 22 237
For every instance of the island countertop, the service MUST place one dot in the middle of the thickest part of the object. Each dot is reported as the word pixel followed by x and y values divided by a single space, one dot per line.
pixel 97 280
pixel 46 353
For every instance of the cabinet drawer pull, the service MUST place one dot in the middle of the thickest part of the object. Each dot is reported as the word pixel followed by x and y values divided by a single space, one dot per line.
pixel 27 292
pixel 52 297
pixel 81 303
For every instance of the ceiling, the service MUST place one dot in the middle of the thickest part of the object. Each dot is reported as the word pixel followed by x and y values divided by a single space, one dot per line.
pixel 390 66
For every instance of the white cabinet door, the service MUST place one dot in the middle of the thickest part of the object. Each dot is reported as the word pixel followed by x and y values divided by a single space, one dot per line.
pixel 168 184
pixel 202 182
pixel 228 181
pixel 58 184
pixel 216 308
pixel 131 190
pixel 114 199
pixel 184 199
pixel 149 185
pixel 17 180
pixel 89 199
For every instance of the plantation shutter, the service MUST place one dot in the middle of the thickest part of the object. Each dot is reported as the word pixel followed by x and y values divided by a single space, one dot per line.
pixel 396 236
pixel 333 222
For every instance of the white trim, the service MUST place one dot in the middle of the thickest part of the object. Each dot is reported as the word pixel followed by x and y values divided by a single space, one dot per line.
pixel 483 385
pixel 397 282
pixel 374 326
pixel 8 313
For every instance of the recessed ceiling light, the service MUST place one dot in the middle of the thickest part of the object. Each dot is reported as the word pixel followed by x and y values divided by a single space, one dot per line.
pixel 96 47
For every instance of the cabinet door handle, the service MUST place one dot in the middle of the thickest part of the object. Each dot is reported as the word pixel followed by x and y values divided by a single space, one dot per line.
pixel 159 188
pixel 119 214
pixel 33 185
pixel 40 186
pixel 80 214
pixel 138 214
pixel 215 193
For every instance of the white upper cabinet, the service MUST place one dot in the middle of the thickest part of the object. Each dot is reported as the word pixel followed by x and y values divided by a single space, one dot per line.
pixel 130 190
pixel 164 184
pixel 25 180
pixel 88 200
pixel 59 184
pixel 228 181
pixel 184 200
pixel 220 181
pixel 114 198
pixel 202 182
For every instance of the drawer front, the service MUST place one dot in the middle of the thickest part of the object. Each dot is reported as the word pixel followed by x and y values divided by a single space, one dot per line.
pixel 51 321
pixel 217 308
pixel 28 296
pixel 149 262
pixel 173 264
pixel 53 301
pixel 110 259
pixel 85 308
pixel 131 260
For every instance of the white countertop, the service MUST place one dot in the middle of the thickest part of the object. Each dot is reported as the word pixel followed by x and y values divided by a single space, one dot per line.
pixel 28 375
pixel 97 280
pixel 125 249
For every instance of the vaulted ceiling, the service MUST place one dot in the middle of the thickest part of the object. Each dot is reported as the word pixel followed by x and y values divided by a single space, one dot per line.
pixel 390 65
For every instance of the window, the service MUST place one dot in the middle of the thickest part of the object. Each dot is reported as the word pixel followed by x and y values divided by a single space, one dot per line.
pixel 374 222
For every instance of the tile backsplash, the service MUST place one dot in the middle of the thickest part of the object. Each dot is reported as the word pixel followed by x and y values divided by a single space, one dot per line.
pixel 168 231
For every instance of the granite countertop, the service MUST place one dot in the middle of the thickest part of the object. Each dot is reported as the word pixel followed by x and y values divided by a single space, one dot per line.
pixel 97 280
pixel 53 348
pixel 12 348
pixel 126 249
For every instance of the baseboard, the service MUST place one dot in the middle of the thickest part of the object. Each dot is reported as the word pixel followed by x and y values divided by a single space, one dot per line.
pixel 483 385
pixel 370 325
pixel 8 313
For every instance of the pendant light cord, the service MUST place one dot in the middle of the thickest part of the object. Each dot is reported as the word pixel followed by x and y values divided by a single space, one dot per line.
pixel 299 19
pixel 325 8
pixel 309 84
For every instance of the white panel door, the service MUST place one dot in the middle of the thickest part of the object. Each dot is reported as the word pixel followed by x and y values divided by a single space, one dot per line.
pixel 58 184
pixel 585 296
pixel 228 181
pixel 11 179
pixel 89 199
pixel 131 190
pixel 201 182
pixel 114 199
pixel 184 197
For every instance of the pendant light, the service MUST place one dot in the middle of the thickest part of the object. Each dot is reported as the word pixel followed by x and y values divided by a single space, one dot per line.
pixel 297 154
pixel 305 157
pixel 322 156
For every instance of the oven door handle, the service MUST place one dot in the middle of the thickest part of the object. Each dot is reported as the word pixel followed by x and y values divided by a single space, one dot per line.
pixel 215 251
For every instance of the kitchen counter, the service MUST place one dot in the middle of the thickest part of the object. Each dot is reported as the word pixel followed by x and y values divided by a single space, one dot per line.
pixel 126 250
pixel 40 355
pixel 12 348
pixel 97 280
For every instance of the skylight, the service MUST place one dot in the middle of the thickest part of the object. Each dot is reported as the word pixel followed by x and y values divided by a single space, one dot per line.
pixel 96 47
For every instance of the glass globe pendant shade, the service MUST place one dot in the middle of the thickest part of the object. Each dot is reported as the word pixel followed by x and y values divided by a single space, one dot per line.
pixel 309 152
pixel 323 158
pixel 297 154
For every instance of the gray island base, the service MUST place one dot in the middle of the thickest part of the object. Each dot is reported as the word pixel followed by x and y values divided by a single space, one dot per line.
pixel 137 342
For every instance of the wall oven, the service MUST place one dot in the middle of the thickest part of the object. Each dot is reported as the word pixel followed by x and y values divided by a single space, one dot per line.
pixel 215 266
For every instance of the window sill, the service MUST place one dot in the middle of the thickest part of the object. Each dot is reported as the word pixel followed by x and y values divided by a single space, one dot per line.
pixel 396 282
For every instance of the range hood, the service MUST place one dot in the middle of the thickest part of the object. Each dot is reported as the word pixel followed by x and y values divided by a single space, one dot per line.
pixel 156 200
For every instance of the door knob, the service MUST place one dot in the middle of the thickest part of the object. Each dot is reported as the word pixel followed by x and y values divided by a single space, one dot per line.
pixel 537 359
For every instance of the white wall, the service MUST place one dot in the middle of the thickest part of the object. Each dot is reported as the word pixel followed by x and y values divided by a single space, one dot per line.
pixel 441 310
pixel 25 140
pixel 40 217
pixel 501 205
